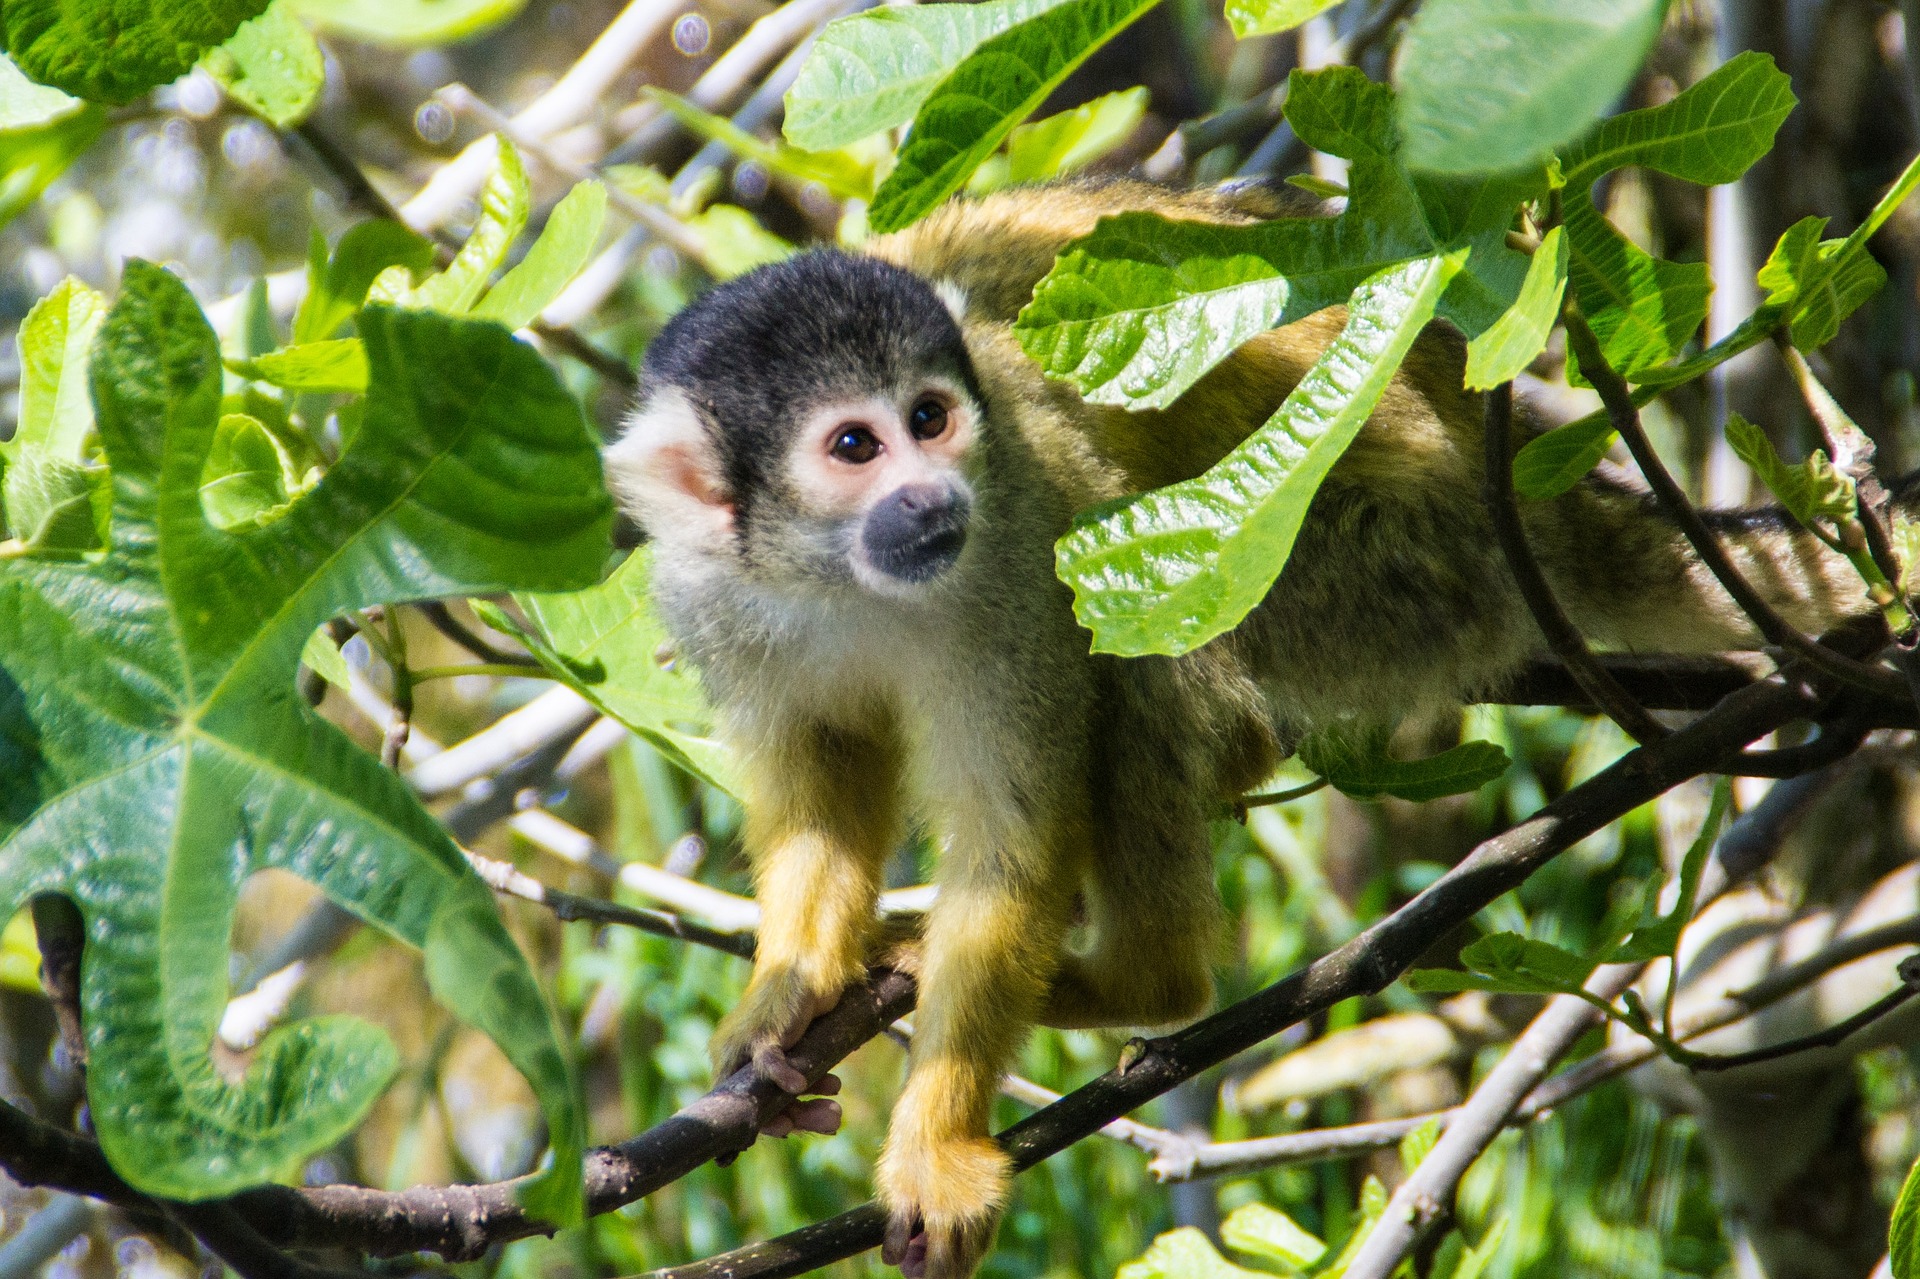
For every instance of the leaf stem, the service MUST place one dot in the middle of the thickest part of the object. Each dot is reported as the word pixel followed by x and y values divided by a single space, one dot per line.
pixel 1281 796
pixel 514 670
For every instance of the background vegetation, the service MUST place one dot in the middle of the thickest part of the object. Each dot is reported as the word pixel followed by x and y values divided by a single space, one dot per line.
pixel 541 730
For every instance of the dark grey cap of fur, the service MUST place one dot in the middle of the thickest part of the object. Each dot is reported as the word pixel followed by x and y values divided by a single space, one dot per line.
pixel 752 354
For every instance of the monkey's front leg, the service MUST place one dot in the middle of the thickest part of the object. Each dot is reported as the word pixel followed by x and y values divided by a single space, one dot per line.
pixel 991 943
pixel 822 816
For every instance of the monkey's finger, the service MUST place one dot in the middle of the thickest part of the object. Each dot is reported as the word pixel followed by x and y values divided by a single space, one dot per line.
pixel 772 1062
pixel 781 1125
pixel 828 1086
pixel 819 1115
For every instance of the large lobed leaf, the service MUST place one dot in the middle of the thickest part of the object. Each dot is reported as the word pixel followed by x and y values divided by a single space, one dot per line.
pixel 1166 571
pixel 161 754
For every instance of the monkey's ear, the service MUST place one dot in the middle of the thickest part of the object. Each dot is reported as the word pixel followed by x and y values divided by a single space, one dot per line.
pixel 953 297
pixel 663 471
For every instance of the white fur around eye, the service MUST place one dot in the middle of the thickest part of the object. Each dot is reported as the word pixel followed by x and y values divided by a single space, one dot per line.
pixel 663 472
pixel 953 297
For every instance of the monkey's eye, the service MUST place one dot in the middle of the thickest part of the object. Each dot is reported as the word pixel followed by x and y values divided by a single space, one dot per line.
pixel 855 444
pixel 928 420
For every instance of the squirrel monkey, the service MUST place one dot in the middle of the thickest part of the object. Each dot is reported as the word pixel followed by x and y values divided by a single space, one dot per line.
pixel 854 478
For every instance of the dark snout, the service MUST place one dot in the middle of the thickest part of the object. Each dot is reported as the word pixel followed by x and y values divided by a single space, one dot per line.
pixel 915 532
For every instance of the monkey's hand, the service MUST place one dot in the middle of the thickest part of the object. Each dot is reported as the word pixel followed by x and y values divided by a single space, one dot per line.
pixel 771 1017
pixel 943 1198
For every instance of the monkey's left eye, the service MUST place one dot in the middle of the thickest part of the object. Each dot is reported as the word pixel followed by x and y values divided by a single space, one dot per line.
pixel 928 420
pixel 855 444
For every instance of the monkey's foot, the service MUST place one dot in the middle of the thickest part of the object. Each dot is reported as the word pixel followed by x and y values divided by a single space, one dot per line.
pixel 771 1017
pixel 943 1200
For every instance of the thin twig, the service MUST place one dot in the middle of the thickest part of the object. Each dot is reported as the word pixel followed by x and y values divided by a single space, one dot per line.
pixel 1561 635
pixel 1423 1197
pixel 504 877
pixel 1617 397
pixel 1909 970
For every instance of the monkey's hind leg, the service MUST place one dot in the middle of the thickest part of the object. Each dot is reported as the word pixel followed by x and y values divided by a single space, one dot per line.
pixel 1155 919
pixel 991 940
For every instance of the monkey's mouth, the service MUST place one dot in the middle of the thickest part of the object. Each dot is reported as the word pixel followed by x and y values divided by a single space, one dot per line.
pixel 924 556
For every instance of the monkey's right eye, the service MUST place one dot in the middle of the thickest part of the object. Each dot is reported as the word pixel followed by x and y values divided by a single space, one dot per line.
pixel 855 444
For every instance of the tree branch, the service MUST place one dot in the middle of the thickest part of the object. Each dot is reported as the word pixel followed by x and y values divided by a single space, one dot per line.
pixel 1561 635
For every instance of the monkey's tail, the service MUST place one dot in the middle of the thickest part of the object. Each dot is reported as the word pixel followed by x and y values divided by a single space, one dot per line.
pixel 1629 579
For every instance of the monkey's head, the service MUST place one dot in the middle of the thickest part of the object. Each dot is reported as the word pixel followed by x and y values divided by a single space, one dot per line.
pixel 811 421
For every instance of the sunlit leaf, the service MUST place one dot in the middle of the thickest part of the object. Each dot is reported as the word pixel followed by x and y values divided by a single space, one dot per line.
pixel 1643 309
pixel 30 159
pixel 1265 17
pixel 1071 140
pixel 27 105
pixel 504 204
pixel 1000 84
pixel 1268 1233
pixel 114 52
pixel 337 285
pixel 338 364
pixel 837 171
pixel 1811 491
pixel 55 411
pixel 408 22
pixel 273 66
pixel 607 643
pixel 1504 351
pixel 1183 1254
pixel 1903 1239
pixel 1166 571
pixel 1711 133
pixel 564 246
pixel 872 70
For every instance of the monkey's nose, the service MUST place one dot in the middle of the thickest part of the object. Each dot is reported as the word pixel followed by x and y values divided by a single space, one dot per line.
pixel 917 531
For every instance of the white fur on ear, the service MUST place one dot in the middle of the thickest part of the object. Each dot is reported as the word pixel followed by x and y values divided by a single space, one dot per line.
pixel 953 297
pixel 663 472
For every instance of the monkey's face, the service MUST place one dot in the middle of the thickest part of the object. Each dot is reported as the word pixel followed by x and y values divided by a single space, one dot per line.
pixel 884 479
pixel 813 423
